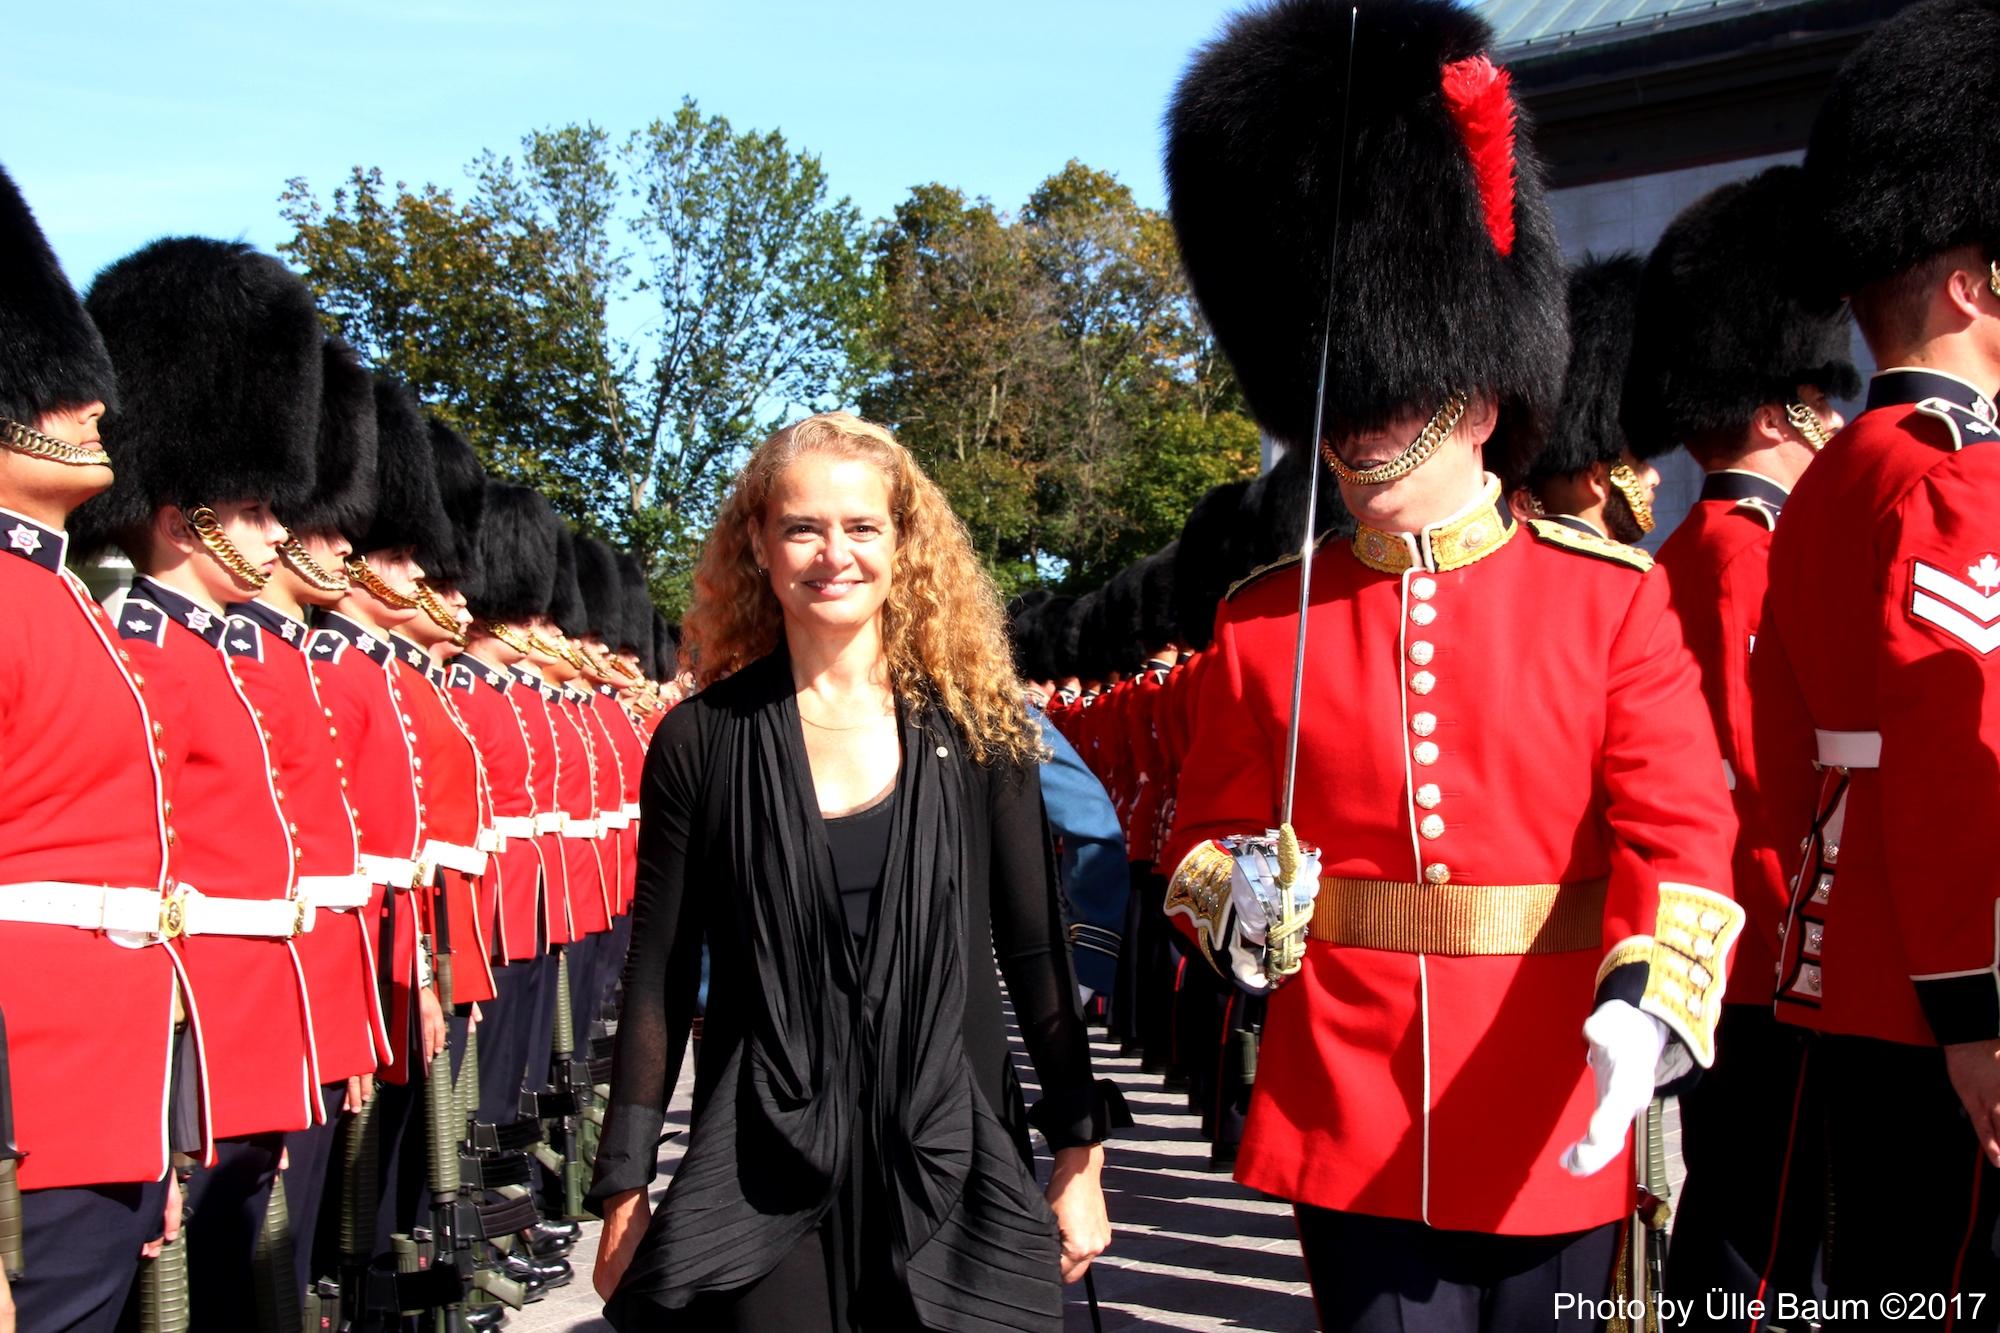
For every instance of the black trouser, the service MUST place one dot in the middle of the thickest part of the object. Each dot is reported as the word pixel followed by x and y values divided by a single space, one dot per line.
pixel 1386 1275
pixel 312 1156
pixel 504 1037
pixel 226 1205
pixel 1749 1217
pixel 1912 1202
pixel 80 1254
pixel 586 986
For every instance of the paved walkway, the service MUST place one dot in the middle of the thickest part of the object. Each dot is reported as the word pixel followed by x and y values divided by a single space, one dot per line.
pixel 1191 1249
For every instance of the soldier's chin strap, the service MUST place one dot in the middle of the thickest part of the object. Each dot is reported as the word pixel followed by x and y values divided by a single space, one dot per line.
pixel 225 552
pixel 24 439
pixel 1633 491
pixel 1807 423
pixel 363 576
pixel 1414 455
pixel 293 552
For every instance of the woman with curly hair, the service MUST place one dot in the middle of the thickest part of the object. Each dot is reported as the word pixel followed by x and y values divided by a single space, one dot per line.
pixel 848 812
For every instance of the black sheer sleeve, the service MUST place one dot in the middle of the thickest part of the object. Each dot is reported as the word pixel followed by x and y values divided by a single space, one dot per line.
pixel 1033 950
pixel 663 969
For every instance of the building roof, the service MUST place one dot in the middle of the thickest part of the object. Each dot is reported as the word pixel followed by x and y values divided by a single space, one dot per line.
pixel 1530 28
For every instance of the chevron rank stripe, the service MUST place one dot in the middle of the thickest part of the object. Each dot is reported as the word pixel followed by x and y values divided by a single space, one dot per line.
pixel 1957 607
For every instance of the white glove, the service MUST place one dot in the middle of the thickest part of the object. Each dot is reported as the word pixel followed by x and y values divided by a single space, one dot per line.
pixel 1625 1049
pixel 1254 902
pixel 1253 888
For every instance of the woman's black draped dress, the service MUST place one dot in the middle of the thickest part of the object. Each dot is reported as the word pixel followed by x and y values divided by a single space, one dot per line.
pixel 859 1154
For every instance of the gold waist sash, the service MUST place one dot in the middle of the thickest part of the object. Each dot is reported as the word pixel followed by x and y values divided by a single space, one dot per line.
pixel 1460 918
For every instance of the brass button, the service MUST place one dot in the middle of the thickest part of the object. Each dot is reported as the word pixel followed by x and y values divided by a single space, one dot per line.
pixel 1428 796
pixel 1421 652
pixel 1424 588
pixel 1425 753
pixel 1431 826
pixel 1424 723
pixel 1437 872
pixel 1423 682
pixel 1423 613
pixel 159 730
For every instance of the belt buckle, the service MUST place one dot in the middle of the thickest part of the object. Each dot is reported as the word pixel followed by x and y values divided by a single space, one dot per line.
pixel 172 916
pixel 300 906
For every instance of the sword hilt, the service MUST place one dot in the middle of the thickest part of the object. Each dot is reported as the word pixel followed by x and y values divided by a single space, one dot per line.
pixel 1285 944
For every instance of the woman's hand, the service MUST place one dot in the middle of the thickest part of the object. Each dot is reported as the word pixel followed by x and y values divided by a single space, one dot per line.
pixel 1076 1194
pixel 625 1221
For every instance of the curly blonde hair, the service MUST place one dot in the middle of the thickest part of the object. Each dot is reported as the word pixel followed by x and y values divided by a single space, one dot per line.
pixel 942 624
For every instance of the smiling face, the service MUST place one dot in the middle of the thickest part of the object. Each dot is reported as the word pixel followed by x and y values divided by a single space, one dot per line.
pixel 828 539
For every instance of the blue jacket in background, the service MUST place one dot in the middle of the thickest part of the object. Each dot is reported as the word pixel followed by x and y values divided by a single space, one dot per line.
pixel 1095 880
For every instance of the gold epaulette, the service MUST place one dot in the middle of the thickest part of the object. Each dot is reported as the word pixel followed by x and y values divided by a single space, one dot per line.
pixel 1263 571
pixel 1584 543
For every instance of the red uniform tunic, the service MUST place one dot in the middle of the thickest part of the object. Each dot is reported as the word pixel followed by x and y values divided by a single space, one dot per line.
pixel 1487 707
pixel 629 750
pixel 234 844
pixel 1718 566
pixel 537 712
pixel 89 1016
pixel 267 648
pixel 1883 637
pixel 577 790
pixel 448 775
pixel 376 736
pixel 488 702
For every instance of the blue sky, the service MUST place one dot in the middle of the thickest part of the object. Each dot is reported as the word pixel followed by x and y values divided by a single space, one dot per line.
pixel 129 121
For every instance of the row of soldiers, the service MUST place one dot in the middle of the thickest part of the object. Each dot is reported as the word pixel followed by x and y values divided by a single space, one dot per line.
pixel 1843 645
pixel 320 853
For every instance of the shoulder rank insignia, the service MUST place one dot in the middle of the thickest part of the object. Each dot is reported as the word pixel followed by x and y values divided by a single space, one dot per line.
pixel 140 619
pixel 1966 426
pixel 1260 573
pixel 326 646
pixel 461 677
pixel 1553 533
pixel 241 637
pixel 1757 507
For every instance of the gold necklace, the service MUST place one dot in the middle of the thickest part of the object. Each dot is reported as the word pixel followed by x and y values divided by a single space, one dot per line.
pixel 1442 423
pixel 858 726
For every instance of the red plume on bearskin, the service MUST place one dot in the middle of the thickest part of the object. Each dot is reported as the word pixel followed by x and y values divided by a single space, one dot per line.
pixel 1476 94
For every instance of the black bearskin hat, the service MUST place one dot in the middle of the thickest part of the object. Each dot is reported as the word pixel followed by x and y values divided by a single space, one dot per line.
pixel 1603 293
pixel 1024 631
pixel 1723 326
pixel 666 648
pixel 566 606
pixel 1124 602
pixel 636 627
pixel 50 353
pixel 598 579
pixel 1073 651
pixel 409 511
pixel 343 495
pixel 1054 660
pixel 1159 618
pixel 1449 276
pixel 1904 159
pixel 462 487
pixel 219 354
pixel 1274 517
pixel 1207 559
pixel 517 556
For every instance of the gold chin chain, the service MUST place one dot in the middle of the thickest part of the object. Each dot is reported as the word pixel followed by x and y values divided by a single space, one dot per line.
pixel 1627 481
pixel 1807 423
pixel 1993 276
pixel 27 440
pixel 361 574
pixel 1442 423
pixel 506 634
pixel 209 528
pixel 441 615
pixel 312 571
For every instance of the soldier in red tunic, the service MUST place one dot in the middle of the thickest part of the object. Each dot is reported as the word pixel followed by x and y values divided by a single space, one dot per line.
pixel 266 641
pixel 1876 678
pixel 517 570
pixel 220 361
pixel 352 658
pixel 1516 923
pixel 1728 360
pixel 88 987
pixel 1587 475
